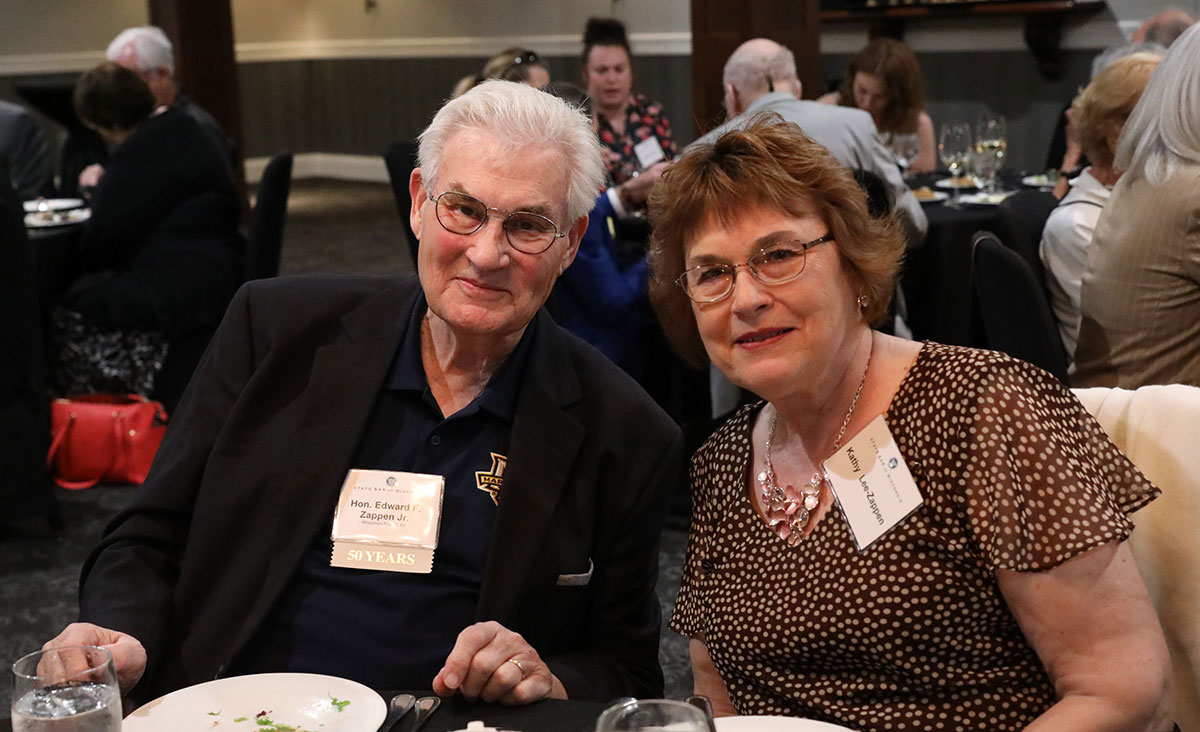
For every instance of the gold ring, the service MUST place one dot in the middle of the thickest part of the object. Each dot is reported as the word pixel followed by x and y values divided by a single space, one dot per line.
pixel 518 665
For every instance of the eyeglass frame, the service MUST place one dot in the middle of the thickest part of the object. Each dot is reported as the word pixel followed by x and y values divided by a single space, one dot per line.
pixel 681 280
pixel 558 233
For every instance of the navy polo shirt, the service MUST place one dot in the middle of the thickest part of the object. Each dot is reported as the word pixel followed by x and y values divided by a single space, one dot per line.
pixel 392 630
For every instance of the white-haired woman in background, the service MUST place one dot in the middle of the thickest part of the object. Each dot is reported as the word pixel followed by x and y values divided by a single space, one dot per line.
pixel 1140 299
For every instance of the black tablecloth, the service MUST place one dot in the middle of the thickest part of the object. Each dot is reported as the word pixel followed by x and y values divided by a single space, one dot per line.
pixel 551 715
pixel 936 276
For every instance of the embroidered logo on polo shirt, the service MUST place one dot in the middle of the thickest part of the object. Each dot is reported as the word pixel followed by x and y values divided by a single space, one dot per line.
pixel 491 481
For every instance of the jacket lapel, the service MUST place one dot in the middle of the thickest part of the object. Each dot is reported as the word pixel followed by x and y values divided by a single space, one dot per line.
pixel 544 444
pixel 346 377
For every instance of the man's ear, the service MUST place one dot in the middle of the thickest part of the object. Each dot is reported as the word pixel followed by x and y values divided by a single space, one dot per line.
pixel 416 191
pixel 732 106
pixel 574 236
pixel 798 90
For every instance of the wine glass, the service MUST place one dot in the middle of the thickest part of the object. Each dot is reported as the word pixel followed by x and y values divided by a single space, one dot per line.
pixel 954 145
pixel 905 149
pixel 48 697
pixel 651 715
pixel 991 145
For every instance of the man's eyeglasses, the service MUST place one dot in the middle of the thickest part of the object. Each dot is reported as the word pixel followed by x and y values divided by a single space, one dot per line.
pixel 461 214
pixel 772 265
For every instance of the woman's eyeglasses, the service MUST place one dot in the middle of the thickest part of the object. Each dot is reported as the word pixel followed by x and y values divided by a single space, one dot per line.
pixel 772 265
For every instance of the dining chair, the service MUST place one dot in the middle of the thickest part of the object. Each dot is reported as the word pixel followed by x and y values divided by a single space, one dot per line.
pixel 1156 427
pixel 1009 308
pixel 1019 222
pixel 265 241
pixel 401 158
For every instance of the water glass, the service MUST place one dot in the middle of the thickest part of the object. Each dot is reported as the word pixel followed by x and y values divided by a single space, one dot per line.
pixel 72 689
pixel 647 715
pixel 905 148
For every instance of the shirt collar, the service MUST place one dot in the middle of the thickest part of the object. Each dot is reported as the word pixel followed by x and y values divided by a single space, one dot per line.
pixel 499 397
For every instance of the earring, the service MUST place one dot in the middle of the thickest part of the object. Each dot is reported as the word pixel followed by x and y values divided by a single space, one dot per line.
pixel 862 302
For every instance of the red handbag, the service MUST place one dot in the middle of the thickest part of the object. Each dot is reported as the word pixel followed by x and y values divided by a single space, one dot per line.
pixel 103 437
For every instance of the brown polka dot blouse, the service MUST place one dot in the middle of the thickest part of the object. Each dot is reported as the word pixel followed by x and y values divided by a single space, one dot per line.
pixel 912 634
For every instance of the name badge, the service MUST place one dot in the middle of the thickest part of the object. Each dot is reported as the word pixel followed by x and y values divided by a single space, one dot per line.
pixel 648 152
pixel 387 520
pixel 872 483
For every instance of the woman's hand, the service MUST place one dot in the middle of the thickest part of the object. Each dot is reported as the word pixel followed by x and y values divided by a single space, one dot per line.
pixel 492 663
pixel 1094 629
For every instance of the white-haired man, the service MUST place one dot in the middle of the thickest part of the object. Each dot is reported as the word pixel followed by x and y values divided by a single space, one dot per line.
pixel 760 77
pixel 342 426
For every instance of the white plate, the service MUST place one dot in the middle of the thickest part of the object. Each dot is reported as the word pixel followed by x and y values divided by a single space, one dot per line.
pixel 47 219
pixel 963 184
pixel 775 724
pixel 304 701
pixel 52 204
pixel 1038 181
pixel 933 197
pixel 984 199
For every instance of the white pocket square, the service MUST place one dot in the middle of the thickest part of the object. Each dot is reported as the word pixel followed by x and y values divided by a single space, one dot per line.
pixel 576 580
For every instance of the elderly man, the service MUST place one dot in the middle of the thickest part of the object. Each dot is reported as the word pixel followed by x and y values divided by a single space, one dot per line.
pixel 760 76
pixel 339 427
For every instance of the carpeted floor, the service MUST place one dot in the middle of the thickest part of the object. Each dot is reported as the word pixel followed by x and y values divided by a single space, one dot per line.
pixel 332 226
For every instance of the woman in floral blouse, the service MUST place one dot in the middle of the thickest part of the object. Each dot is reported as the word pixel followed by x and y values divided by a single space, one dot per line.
pixel 623 120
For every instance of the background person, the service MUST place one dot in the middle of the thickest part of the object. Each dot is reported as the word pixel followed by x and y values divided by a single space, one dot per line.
pixel 1007 601
pixel 24 155
pixel 623 120
pixel 543 580
pixel 884 79
pixel 161 254
pixel 1140 297
pixel 511 64
pixel 1098 114
pixel 146 51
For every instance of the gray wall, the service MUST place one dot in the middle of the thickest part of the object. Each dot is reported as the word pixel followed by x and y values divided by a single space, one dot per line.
pixel 360 106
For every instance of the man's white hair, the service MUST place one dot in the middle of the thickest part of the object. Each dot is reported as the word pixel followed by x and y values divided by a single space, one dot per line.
pixel 1164 128
pixel 521 117
pixel 752 63
pixel 151 46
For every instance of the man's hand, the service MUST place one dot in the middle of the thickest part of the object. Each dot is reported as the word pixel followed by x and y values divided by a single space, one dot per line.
pixel 492 663
pixel 90 176
pixel 129 657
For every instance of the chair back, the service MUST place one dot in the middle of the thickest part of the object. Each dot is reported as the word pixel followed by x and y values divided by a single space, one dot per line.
pixel 1019 222
pixel 1156 427
pixel 401 158
pixel 1009 309
pixel 266 224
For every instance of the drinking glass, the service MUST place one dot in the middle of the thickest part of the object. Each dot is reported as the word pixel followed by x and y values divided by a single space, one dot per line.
pixel 645 715
pixel 905 149
pixel 954 145
pixel 47 697
pixel 991 145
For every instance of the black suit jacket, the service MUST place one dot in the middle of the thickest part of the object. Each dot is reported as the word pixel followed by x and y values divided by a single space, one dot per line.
pixel 256 455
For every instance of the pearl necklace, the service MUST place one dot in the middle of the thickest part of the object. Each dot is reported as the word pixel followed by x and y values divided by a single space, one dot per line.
pixel 788 510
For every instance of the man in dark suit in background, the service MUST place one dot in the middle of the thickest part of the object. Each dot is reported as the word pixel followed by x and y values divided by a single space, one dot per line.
pixel 555 467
